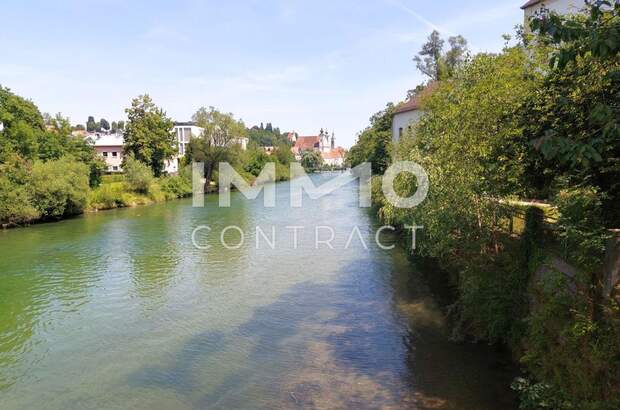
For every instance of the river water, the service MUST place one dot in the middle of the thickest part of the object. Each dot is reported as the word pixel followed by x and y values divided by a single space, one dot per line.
pixel 119 310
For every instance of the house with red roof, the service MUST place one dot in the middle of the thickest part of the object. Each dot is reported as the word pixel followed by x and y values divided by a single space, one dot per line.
pixel 407 114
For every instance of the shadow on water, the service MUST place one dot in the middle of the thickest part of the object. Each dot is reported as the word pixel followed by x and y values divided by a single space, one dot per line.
pixel 365 341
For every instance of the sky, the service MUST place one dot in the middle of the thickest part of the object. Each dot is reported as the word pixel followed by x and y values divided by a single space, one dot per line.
pixel 301 65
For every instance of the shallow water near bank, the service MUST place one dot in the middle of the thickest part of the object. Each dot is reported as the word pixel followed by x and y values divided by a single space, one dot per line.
pixel 119 310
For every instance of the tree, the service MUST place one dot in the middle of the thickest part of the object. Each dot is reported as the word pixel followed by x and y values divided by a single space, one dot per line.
pixel 114 126
pixel 216 144
pixel 434 63
pixel 91 125
pixel 578 105
pixel 311 160
pixel 374 143
pixel 104 124
pixel 149 135
pixel 121 125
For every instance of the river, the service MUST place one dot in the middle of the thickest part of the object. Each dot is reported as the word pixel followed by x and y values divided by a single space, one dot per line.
pixel 118 310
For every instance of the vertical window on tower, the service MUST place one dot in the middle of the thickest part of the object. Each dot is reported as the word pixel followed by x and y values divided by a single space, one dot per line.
pixel 400 132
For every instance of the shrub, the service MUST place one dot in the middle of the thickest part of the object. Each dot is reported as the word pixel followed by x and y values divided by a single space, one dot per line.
pixel 107 196
pixel 15 203
pixel 176 186
pixel 138 175
pixel 59 187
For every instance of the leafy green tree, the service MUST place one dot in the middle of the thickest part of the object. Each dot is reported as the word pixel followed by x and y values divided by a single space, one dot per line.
pixel 434 63
pixel 374 144
pixel 121 125
pixel 59 187
pixel 218 141
pixel 22 124
pixel 114 126
pixel 311 160
pixel 137 174
pixel 148 135
pixel 578 105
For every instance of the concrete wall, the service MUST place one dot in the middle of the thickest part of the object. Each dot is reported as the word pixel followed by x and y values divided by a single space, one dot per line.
pixel 402 121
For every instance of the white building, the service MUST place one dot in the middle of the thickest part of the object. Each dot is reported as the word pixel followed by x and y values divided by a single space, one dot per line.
pixel 183 131
pixel 110 148
pixel 558 6
pixel 405 116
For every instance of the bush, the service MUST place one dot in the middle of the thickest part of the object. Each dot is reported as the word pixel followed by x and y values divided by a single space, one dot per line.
pixel 59 187
pixel 15 204
pixel 176 186
pixel 138 175
pixel 107 196
pixel 580 226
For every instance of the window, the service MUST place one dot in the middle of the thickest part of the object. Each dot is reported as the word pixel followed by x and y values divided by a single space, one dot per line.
pixel 105 154
pixel 182 149
pixel 400 132
pixel 115 168
pixel 188 134
pixel 114 154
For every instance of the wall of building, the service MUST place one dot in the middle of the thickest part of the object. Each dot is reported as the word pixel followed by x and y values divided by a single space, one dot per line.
pixel 402 121
pixel 558 6
pixel 112 161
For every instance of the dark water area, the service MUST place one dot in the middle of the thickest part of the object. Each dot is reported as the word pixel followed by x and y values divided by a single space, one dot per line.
pixel 119 310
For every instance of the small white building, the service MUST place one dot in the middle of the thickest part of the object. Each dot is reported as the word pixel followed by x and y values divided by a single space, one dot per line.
pixel 110 148
pixel 405 116
pixel 558 6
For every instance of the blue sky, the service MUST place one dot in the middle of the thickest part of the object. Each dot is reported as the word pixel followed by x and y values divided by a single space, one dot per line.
pixel 301 65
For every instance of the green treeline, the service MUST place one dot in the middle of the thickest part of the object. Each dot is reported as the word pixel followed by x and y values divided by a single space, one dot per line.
pixel 538 121
pixel 47 173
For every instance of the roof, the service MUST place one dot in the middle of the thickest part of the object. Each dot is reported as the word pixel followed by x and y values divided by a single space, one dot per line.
pixel 184 123
pixel 414 102
pixel 531 3
pixel 308 142
pixel 108 140
pixel 334 154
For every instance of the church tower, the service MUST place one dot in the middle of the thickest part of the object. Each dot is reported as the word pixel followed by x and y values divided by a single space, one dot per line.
pixel 333 144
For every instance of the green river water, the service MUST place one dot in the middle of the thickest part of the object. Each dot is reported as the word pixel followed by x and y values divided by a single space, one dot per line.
pixel 118 310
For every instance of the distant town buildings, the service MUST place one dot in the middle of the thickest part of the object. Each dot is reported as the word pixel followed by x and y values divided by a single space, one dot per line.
pixel 109 146
pixel 323 143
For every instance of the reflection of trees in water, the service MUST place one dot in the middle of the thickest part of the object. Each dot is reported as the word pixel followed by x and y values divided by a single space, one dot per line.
pixel 47 271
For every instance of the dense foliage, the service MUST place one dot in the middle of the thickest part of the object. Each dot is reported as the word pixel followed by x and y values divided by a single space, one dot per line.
pixel 148 134
pixel 512 126
pixel 45 172
pixel 374 144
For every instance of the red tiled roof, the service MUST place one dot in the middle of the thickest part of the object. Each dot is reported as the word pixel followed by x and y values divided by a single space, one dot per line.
pixel 307 142
pixel 334 154
pixel 530 4
pixel 414 103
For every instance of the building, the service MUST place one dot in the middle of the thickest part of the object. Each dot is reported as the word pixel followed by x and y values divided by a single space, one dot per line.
pixel 334 158
pixel 407 114
pixel 323 143
pixel 184 132
pixel 558 6
pixel 110 148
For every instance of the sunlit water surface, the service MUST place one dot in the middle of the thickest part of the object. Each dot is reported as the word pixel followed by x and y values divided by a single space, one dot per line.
pixel 118 310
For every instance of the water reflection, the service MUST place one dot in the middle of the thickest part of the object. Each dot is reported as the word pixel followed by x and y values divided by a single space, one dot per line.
pixel 118 310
